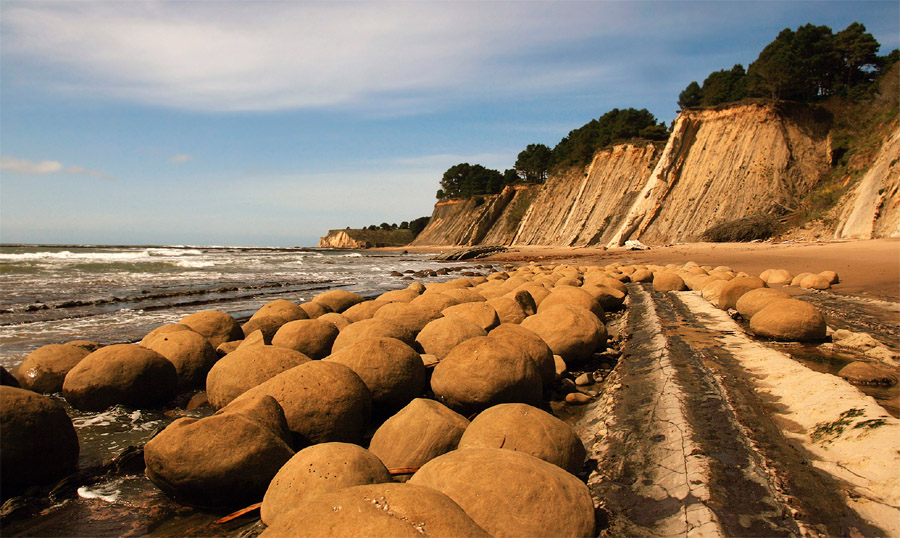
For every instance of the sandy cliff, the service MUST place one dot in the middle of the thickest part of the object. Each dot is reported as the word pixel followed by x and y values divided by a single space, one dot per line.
pixel 874 208
pixel 355 238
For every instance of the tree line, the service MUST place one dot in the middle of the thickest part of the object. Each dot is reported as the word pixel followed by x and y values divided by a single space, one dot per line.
pixel 808 64
pixel 415 225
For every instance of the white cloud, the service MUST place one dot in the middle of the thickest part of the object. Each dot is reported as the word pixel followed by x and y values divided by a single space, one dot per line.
pixel 180 158
pixel 288 55
pixel 24 166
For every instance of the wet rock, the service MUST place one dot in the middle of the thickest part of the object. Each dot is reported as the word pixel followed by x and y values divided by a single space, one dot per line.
pixel 866 373
pixel 418 433
pixel 571 332
pixel 532 346
pixel 120 374
pixel 338 300
pixel 247 367
pixel 393 371
pixel 789 320
pixel 529 430
pixel 443 334
pixel 322 401
pixel 38 443
pixel 316 470
pixel 665 281
pixel 45 368
pixel 311 337
pixel 512 494
pixel 755 300
pixel 479 313
pixel 378 510
pixel 215 326
pixel 223 461
pixel 189 352
pixel 736 287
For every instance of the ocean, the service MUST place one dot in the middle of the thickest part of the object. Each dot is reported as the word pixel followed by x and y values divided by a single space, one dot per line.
pixel 116 294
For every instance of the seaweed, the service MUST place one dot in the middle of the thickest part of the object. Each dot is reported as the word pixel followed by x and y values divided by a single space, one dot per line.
pixel 826 431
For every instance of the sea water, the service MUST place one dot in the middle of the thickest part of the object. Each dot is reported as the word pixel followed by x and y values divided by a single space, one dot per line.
pixel 116 294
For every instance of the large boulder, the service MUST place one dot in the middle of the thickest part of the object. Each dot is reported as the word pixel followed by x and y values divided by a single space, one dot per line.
pixel 38 443
pixel 373 328
pixel 316 470
pixel 867 373
pixel 815 282
pixel 527 429
pixel 247 367
pixel 413 317
pixel 363 310
pixel 755 300
pixel 666 281
pixel 190 353
pixel 399 296
pixel 223 461
pixel 478 312
pixel 568 295
pixel 511 494
pixel 778 277
pixel 217 327
pixel 120 374
pixel 377 511
pixel 311 337
pixel 418 433
pixel 45 368
pixel 163 329
pixel 532 346
pixel 393 371
pixel 443 334
pixel 464 295
pixel 283 309
pixel 789 320
pixel 482 372
pixel 434 301
pixel 712 290
pixel 322 401
pixel 572 332
pixel 338 320
pixel 736 287
pixel 508 310
pixel 314 310
pixel 610 299
pixel 338 300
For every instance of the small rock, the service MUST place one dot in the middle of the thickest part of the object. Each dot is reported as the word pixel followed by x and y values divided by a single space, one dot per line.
pixel 584 379
pixel 577 398
pixel 561 368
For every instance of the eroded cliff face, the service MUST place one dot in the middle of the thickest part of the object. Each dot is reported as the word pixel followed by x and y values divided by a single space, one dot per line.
pixel 341 239
pixel 874 206
pixel 721 165
pixel 582 208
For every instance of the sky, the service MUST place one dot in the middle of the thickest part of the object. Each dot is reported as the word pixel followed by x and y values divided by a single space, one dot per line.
pixel 267 123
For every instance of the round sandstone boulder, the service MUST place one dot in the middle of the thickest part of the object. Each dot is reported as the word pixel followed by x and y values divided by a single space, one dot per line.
pixel 45 368
pixel 215 326
pixel 571 332
pixel 479 313
pixel 434 301
pixel 568 295
pixel 665 281
pixel 530 344
pixel 527 429
pixel 736 287
pixel 189 352
pixel 338 300
pixel 281 308
pixel 373 328
pixel 120 374
pixel 38 443
pixel 316 470
pixel 314 310
pixel 867 373
pixel 443 334
pixel 338 320
pixel 482 372
pixel 311 337
pixel 511 494
pixel 712 290
pixel 789 320
pixel 413 317
pixel 163 329
pixel 778 277
pixel 393 371
pixel 223 461
pixel 245 368
pixel 610 299
pixel 322 401
pixel 815 282
pixel 377 511
pixel 363 310
pixel 418 433
pixel 508 310
pixel 755 300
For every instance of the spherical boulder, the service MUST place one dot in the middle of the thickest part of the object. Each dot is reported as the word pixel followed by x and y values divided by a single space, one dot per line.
pixel 377 511
pixel 245 368
pixel 311 337
pixel 314 310
pixel 778 277
pixel 510 493
pixel 338 320
pixel 434 301
pixel 393 371
pixel 418 433
pixel 338 300
pixel 227 347
pixel 267 326
pixel 464 295
pixel 867 373
pixel 281 308
pixel 799 278
pixel 38 443
pixel 120 374
pixel 316 470
pixel 508 310
pixel 666 281
pixel 642 275
pixel 755 300
pixel 831 276
pixel 532 346
pixel 399 296
pixel 45 368
pixel 537 292
pixel 163 329
pixel 373 328
pixel 223 461
pixel 712 290
pixel 443 334
pixel 790 320
pixel 363 310
pixel 190 353
pixel 568 295
pixel 571 332
pixel 815 282
pixel 413 317
pixel 479 313
pixel 610 299
pixel 215 326
pixel 482 372
pixel 736 287
pixel 526 429
pixel 322 401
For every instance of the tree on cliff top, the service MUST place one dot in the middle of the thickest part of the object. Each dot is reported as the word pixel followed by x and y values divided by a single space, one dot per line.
pixel 617 125
pixel 533 163
pixel 465 180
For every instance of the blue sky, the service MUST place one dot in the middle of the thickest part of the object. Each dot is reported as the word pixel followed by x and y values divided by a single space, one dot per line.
pixel 270 122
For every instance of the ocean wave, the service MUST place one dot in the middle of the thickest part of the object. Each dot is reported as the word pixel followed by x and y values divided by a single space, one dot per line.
pixel 66 255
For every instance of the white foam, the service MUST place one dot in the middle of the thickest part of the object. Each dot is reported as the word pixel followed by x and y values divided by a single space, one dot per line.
pixel 106 493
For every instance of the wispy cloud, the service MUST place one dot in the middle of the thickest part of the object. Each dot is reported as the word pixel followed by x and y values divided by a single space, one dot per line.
pixel 13 165
pixel 180 158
